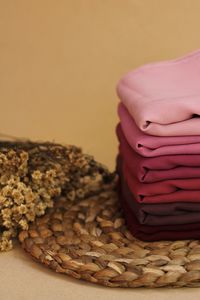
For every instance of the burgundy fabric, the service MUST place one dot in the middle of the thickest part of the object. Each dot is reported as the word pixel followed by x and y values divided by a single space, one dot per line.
pixel 157 233
pixel 175 190
pixel 153 169
pixel 157 214
pixel 160 214
pixel 149 145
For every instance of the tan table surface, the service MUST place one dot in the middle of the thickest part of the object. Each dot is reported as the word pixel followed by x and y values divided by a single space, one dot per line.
pixel 59 64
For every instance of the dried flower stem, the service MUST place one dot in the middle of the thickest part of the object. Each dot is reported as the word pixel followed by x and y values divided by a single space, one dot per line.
pixel 33 174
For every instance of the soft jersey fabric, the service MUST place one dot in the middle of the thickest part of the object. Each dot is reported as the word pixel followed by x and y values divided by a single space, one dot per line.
pixel 159 168
pixel 153 146
pixel 163 97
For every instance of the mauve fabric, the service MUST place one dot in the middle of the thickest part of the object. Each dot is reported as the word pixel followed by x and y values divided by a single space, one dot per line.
pixel 153 169
pixel 151 146
pixel 163 97
pixel 175 190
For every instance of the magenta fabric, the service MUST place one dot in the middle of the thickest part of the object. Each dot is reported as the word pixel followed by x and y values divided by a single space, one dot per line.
pixel 151 146
pixel 164 98
pixel 153 169
pixel 164 191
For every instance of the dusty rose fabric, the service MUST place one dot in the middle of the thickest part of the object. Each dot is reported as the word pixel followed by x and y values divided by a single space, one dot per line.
pixel 163 98
pixel 151 146
pixel 152 169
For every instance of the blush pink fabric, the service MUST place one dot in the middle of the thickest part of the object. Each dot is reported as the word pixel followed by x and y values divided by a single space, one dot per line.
pixel 164 191
pixel 164 98
pixel 152 169
pixel 151 146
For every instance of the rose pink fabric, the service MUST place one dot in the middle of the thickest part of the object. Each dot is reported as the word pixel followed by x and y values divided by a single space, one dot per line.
pixel 151 146
pixel 152 169
pixel 163 191
pixel 164 98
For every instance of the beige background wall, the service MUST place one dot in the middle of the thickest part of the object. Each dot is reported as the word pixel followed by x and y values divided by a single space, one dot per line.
pixel 60 61
pixel 59 64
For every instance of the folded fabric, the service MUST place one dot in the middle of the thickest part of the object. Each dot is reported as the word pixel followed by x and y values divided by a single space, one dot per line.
pixel 157 214
pixel 151 146
pixel 152 169
pixel 160 214
pixel 164 98
pixel 157 233
pixel 174 190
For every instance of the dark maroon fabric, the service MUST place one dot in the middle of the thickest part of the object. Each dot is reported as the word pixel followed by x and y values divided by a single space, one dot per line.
pixel 153 169
pixel 157 233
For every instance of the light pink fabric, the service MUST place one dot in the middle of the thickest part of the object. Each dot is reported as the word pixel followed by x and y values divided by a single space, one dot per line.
pixel 149 145
pixel 152 169
pixel 185 190
pixel 163 97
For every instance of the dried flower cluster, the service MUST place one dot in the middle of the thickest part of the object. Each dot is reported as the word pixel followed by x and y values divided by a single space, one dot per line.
pixel 33 175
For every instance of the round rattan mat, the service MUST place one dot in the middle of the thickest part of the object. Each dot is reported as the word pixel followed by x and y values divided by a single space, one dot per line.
pixel 89 240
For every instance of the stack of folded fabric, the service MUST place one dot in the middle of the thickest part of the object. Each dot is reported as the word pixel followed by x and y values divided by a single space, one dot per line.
pixel 159 149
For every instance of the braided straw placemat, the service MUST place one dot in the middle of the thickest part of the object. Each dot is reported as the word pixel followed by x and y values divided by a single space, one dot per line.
pixel 89 240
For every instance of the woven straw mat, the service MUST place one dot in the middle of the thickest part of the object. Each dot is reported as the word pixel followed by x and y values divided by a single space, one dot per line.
pixel 89 240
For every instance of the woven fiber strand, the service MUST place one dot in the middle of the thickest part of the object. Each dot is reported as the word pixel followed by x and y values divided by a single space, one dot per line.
pixel 89 240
